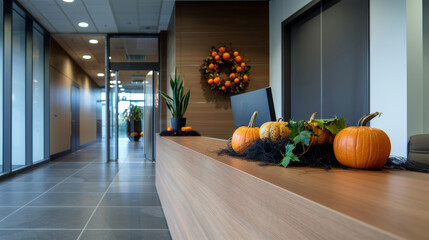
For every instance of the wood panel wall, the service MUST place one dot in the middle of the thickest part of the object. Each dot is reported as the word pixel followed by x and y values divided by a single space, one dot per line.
pixel 63 71
pixel 200 25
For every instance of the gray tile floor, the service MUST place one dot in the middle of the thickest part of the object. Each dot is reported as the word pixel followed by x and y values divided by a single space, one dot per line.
pixel 79 196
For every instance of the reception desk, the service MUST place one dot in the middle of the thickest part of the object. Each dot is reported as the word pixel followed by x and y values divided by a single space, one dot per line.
pixel 207 196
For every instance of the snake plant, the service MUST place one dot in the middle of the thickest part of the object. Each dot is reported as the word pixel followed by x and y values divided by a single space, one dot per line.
pixel 178 103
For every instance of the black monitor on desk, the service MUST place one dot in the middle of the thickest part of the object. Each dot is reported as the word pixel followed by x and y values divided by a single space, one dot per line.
pixel 243 106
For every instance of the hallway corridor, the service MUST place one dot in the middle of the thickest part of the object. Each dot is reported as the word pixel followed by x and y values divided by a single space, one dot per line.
pixel 79 196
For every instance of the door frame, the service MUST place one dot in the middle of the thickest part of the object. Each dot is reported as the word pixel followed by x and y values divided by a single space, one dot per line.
pixel 74 145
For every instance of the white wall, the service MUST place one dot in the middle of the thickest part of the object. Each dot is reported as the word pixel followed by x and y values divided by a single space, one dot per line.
pixel 279 11
pixel 388 63
pixel 426 63
pixel 388 70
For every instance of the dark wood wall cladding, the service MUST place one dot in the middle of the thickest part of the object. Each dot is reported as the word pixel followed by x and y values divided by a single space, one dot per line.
pixel 198 27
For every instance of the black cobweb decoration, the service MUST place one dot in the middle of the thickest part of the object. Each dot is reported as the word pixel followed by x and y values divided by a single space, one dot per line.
pixel 268 152
pixel 179 133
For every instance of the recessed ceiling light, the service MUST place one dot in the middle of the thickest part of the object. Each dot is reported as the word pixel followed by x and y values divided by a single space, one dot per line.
pixel 68 1
pixel 100 74
pixel 112 74
pixel 120 86
pixel 111 86
pixel 83 24
pixel 114 81
pixel 110 57
pixel 122 89
pixel 86 57
pixel 93 41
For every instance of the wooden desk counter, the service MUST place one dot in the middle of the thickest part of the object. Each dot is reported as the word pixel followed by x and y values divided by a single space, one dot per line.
pixel 207 196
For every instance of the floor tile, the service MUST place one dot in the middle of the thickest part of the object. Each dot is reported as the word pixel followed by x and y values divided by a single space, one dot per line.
pixel 5 211
pixel 90 178
pixel 128 218
pixel 39 234
pixel 135 178
pixel 17 198
pixel 48 217
pixel 68 199
pixel 81 187
pixel 27 187
pixel 131 187
pixel 131 199
pixel 126 234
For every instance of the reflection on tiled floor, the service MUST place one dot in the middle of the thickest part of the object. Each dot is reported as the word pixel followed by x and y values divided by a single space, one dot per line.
pixel 81 197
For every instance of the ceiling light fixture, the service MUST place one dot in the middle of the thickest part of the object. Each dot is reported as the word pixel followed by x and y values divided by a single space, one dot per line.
pixel 68 1
pixel 110 57
pixel 120 86
pixel 93 41
pixel 100 74
pixel 112 74
pixel 122 89
pixel 83 24
pixel 86 57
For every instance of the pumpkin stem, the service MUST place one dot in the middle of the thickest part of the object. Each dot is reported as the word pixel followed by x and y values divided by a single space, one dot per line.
pixel 312 117
pixel 368 117
pixel 253 119
pixel 280 119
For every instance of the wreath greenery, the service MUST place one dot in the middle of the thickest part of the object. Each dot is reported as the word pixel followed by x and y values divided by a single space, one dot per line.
pixel 227 60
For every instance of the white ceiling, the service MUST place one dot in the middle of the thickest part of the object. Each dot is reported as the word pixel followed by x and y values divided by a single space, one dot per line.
pixel 103 16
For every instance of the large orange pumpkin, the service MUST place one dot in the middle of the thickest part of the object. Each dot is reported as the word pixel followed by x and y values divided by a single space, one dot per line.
pixel 322 136
pixel 244 137
pixel 275 131
pixel 362 147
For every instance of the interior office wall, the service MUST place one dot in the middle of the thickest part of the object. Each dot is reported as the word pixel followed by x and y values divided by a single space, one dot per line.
pixel 415 66
pixel 171 63
pixel 63 70
pixel 388 64
pixel 198 27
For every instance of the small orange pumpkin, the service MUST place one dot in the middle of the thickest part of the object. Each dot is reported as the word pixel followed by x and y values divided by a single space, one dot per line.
pixel 275 131
pixel 170 128
pixel 186 129
pixel 244 137
pixel 362 147
pixel 322 136
pixel 141 134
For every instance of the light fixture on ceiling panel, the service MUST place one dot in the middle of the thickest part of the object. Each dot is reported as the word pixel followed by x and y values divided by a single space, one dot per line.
pixel 68 1
pixel 93 41
pixel 110 58
pixel 120 86
pixel 122 89
pixel 83 24
pixel 100 74
pixel 112 74
pixel 86 57
pixel 111 86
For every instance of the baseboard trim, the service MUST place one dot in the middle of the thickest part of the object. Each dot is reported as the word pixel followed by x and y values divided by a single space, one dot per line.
pixel 60 154
pixel 87 144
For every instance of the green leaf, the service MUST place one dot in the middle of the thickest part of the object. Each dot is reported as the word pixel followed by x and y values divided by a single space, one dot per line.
pixel 288 156
pixel 296 128
pixel 336 126
pixel 322 122
pixel 303 137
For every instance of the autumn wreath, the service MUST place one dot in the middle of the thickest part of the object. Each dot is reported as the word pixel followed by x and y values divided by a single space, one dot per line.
pixel 229 61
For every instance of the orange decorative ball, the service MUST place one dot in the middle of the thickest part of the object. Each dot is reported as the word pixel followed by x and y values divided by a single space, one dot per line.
pixel 239 69
pixel 243 64
pixel 217 57
pixel 238 59
pixel 214 53
pixel 236 80
pixel 216 80
pixel 223 88
pixel 170 128
pixel 210 81
pixel 227 84
pixel 232 75
pixel 235 53
pixel 226 56
pixel 211 66
pixel 221 49
pixel 245 78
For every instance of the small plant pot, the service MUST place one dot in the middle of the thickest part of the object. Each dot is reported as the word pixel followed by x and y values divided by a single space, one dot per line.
pixel 178 123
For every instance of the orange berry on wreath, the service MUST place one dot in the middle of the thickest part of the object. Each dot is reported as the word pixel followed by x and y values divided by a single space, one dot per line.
pixel 245 78
pixel 232 75
pixel 217 57
pixel 227 84
pixel 216 80
pixel 210 81
pixel 243 64
pixel 223 88
pixel 211 66
pixel 236 80
pixel 226 56
pixel 235 53
pixel 238 59
pixel 221 49
pixel 214 53
pixel 238 69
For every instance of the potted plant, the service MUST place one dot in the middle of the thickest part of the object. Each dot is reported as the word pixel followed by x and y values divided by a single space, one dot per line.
pixel 133 115
pixel 177 103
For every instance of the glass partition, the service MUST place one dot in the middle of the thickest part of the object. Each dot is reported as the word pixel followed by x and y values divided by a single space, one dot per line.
pixel 18 90
pixel 38 96
pixel 1 86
